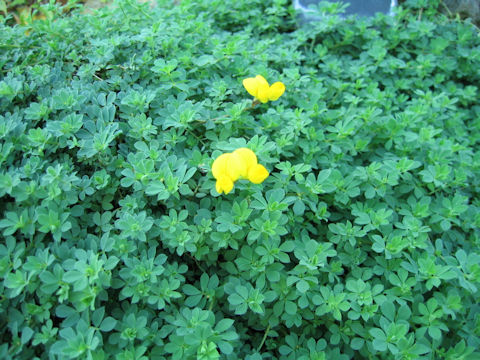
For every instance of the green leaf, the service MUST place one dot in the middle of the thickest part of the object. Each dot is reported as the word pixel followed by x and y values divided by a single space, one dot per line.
pixel 290 307
pixel 204 60
pixel 298 208
pixel 108 324
pixel 379 345
pixel 235 299
pixel 223 325
pixel 302 286
pixel 388 310
pixel 357 343
pixel 27 334
pixel 16 281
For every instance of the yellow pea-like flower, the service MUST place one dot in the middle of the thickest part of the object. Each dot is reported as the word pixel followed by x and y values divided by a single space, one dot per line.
pixel 259 88
pixel 240 164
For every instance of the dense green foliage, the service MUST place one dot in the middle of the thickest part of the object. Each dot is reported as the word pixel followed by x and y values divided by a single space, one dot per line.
pixel 362 243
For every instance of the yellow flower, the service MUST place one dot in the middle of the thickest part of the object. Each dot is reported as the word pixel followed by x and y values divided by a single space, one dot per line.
pixel 240 164
pixel 258 87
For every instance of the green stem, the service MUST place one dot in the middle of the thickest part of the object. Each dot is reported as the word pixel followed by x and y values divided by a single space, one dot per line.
pixel 264 337
pixel 139 8
pixel 212 301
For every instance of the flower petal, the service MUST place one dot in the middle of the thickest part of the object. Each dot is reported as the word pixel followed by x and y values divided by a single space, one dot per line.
pixel 224 184
pixel 251 85
pixel 263 92
pixel 219 166
pixel 276 90
pixel 261 80
pixel 257 174
pixel 248 157
pixel 236 167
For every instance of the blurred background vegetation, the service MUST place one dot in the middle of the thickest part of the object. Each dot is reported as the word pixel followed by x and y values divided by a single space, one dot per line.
pixel 25 11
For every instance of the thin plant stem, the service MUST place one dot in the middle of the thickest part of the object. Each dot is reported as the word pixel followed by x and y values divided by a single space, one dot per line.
pixel 264 338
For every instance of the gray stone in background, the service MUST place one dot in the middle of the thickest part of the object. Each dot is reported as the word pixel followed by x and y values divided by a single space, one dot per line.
pixel 355 7
pixel 465 8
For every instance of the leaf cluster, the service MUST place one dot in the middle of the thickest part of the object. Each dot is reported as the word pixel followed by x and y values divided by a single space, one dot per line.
pixel 362 243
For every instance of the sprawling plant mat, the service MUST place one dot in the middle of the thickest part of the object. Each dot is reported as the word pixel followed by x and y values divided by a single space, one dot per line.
pixel 362 243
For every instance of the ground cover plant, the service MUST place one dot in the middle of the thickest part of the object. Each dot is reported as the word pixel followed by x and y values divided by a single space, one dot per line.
pixel 362 242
